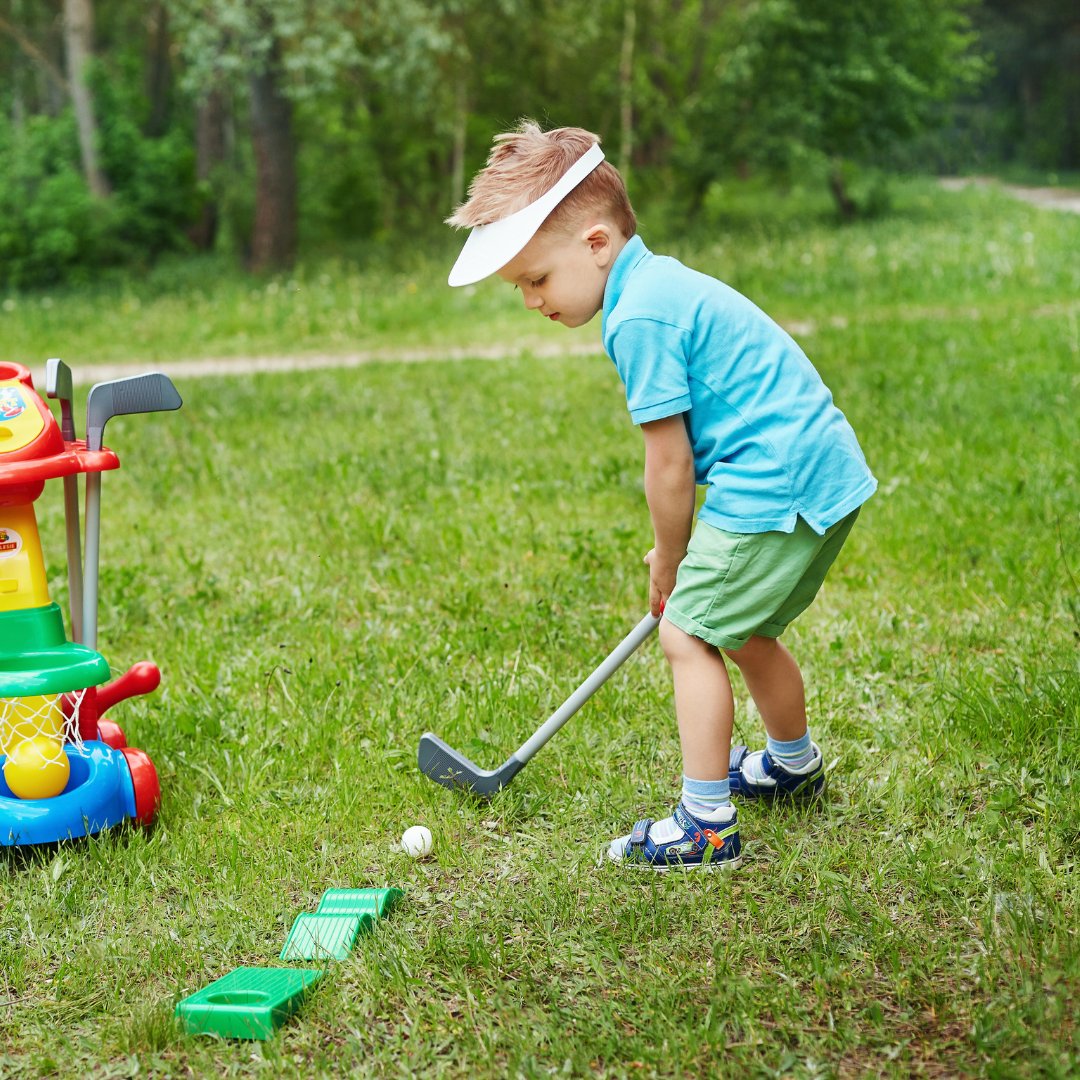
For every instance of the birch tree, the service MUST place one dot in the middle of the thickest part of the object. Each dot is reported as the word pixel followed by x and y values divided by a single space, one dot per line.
pixel 79 48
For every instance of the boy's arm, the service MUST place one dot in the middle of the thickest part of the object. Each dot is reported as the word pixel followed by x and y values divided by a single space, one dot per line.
pixel 669 491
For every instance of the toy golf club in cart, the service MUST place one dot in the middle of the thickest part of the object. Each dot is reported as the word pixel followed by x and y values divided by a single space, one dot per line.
pixel 65 771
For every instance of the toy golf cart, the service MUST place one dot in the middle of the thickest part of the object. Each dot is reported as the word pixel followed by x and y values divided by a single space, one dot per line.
pixel 65 771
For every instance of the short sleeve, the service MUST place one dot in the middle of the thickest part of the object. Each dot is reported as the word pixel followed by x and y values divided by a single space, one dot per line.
pixel 651 357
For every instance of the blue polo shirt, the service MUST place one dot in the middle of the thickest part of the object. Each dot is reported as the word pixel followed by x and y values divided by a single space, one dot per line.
pixel 768 442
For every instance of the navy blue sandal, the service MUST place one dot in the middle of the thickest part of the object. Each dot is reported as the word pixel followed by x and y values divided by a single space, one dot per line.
pixel 779 782
pixel 705 845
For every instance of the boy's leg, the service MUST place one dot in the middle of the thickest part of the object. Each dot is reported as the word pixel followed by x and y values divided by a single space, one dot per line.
pixel 725 583
pixel 771 674
pixel 703 831
pixel 790 763
pixel 704 705
pixel 775 682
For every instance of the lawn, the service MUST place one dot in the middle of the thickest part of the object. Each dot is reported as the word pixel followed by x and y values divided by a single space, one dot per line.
pixel 326 565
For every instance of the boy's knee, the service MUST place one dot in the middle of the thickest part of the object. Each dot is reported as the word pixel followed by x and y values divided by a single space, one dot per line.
pixel 755 650
pixel 678 644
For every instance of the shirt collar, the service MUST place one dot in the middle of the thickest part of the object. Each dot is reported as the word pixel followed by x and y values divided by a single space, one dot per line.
pixel 632 253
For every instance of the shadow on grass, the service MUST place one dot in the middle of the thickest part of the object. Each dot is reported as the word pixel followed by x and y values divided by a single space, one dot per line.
pixel 23 858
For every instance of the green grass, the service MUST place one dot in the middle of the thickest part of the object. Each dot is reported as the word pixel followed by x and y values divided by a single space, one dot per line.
pixel 975 249
pixel 326 565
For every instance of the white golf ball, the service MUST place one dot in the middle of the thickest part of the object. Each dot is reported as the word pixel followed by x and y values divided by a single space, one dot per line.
pixel 416 841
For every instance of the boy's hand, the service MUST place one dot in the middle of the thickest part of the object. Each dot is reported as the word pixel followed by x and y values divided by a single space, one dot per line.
pixel 661 580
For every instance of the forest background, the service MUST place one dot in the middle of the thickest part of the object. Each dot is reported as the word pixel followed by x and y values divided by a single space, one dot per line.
pixel 265 131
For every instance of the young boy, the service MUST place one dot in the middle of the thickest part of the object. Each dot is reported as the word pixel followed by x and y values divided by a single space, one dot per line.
pixel 724 399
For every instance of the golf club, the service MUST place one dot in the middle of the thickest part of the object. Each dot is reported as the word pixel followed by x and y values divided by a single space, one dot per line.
pixel 58 385
pixel 453 770
pixel 153 392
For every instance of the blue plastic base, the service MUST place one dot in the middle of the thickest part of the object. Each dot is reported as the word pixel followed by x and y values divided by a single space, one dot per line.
pixel 99 794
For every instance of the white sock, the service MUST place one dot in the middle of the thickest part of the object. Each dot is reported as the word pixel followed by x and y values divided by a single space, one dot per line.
pixel 705 798
pixel 753 769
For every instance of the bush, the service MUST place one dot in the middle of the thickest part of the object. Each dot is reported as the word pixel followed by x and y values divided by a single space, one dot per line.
pixel 52 229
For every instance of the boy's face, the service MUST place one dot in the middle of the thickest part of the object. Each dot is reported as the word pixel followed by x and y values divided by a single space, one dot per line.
pixel 563 276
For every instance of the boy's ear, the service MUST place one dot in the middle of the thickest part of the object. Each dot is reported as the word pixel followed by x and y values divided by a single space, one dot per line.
pixel 598 237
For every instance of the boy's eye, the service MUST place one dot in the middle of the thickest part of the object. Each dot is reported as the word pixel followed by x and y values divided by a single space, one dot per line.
pixel 533 284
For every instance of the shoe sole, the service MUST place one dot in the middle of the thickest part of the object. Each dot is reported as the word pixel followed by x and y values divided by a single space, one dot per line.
pixel 778 795
pixel 686 868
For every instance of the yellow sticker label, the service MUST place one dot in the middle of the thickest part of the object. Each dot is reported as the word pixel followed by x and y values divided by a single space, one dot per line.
pixel 10 543
pixel 20 421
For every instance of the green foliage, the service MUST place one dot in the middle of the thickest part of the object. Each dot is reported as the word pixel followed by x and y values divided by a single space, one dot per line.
pixel 153 178
pixel 225 41
pixel 1034 92
pixel 802 83
pixel 395 103
pixel 49 224
pixel 52 228
pixel 340 190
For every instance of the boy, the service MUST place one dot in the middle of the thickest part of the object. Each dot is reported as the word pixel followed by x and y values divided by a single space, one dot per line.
pixel 725 399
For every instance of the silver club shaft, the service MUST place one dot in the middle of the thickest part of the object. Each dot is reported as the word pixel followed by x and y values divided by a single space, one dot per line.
pixel 618 656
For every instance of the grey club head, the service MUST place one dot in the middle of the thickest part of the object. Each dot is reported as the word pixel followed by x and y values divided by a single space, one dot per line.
pixel 443 764
pixel 58 385
pixel 153 392
pixel 446 766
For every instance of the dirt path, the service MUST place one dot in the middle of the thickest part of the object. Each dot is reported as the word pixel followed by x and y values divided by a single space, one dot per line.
pixel 1047 198
pixel 248 365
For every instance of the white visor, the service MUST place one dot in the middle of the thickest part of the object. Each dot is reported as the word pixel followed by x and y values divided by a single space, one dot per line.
pixel 490 247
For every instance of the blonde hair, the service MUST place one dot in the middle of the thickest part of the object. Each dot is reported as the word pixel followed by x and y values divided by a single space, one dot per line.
pixel 526 163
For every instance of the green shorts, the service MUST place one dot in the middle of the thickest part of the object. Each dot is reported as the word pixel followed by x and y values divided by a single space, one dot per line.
pixel 732 586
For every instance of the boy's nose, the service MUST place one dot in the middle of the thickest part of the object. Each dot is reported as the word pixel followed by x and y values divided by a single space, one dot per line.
pixel 533 300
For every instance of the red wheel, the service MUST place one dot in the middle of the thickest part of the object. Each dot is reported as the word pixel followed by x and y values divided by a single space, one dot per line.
pixel 144 779
pixel 111 733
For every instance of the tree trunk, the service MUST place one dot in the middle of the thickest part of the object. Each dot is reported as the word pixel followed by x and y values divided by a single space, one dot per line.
pixel 158 72
pixel 18 103
pixel 79 41
pixel 1030 97
pixel 273 240
pixel 844 202
pixel 626 87
pixel 209 156
pixel 457 158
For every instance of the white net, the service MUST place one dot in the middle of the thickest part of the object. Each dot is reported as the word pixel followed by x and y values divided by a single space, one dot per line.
pixel 33 731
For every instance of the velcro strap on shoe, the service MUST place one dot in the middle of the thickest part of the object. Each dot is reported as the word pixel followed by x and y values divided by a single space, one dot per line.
pixel 689 826
pixel 735 760
pixel 640 833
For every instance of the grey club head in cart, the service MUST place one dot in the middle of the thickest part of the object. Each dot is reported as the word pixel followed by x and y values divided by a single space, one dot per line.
pixel 58 385
pixel 153 392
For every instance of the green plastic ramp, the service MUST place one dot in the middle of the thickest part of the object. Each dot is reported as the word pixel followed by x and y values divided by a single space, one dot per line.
pixel 324 936
pixel 248 1003
pixel 374 902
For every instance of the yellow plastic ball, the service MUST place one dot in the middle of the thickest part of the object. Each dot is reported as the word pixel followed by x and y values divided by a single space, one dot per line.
pixel 37 768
